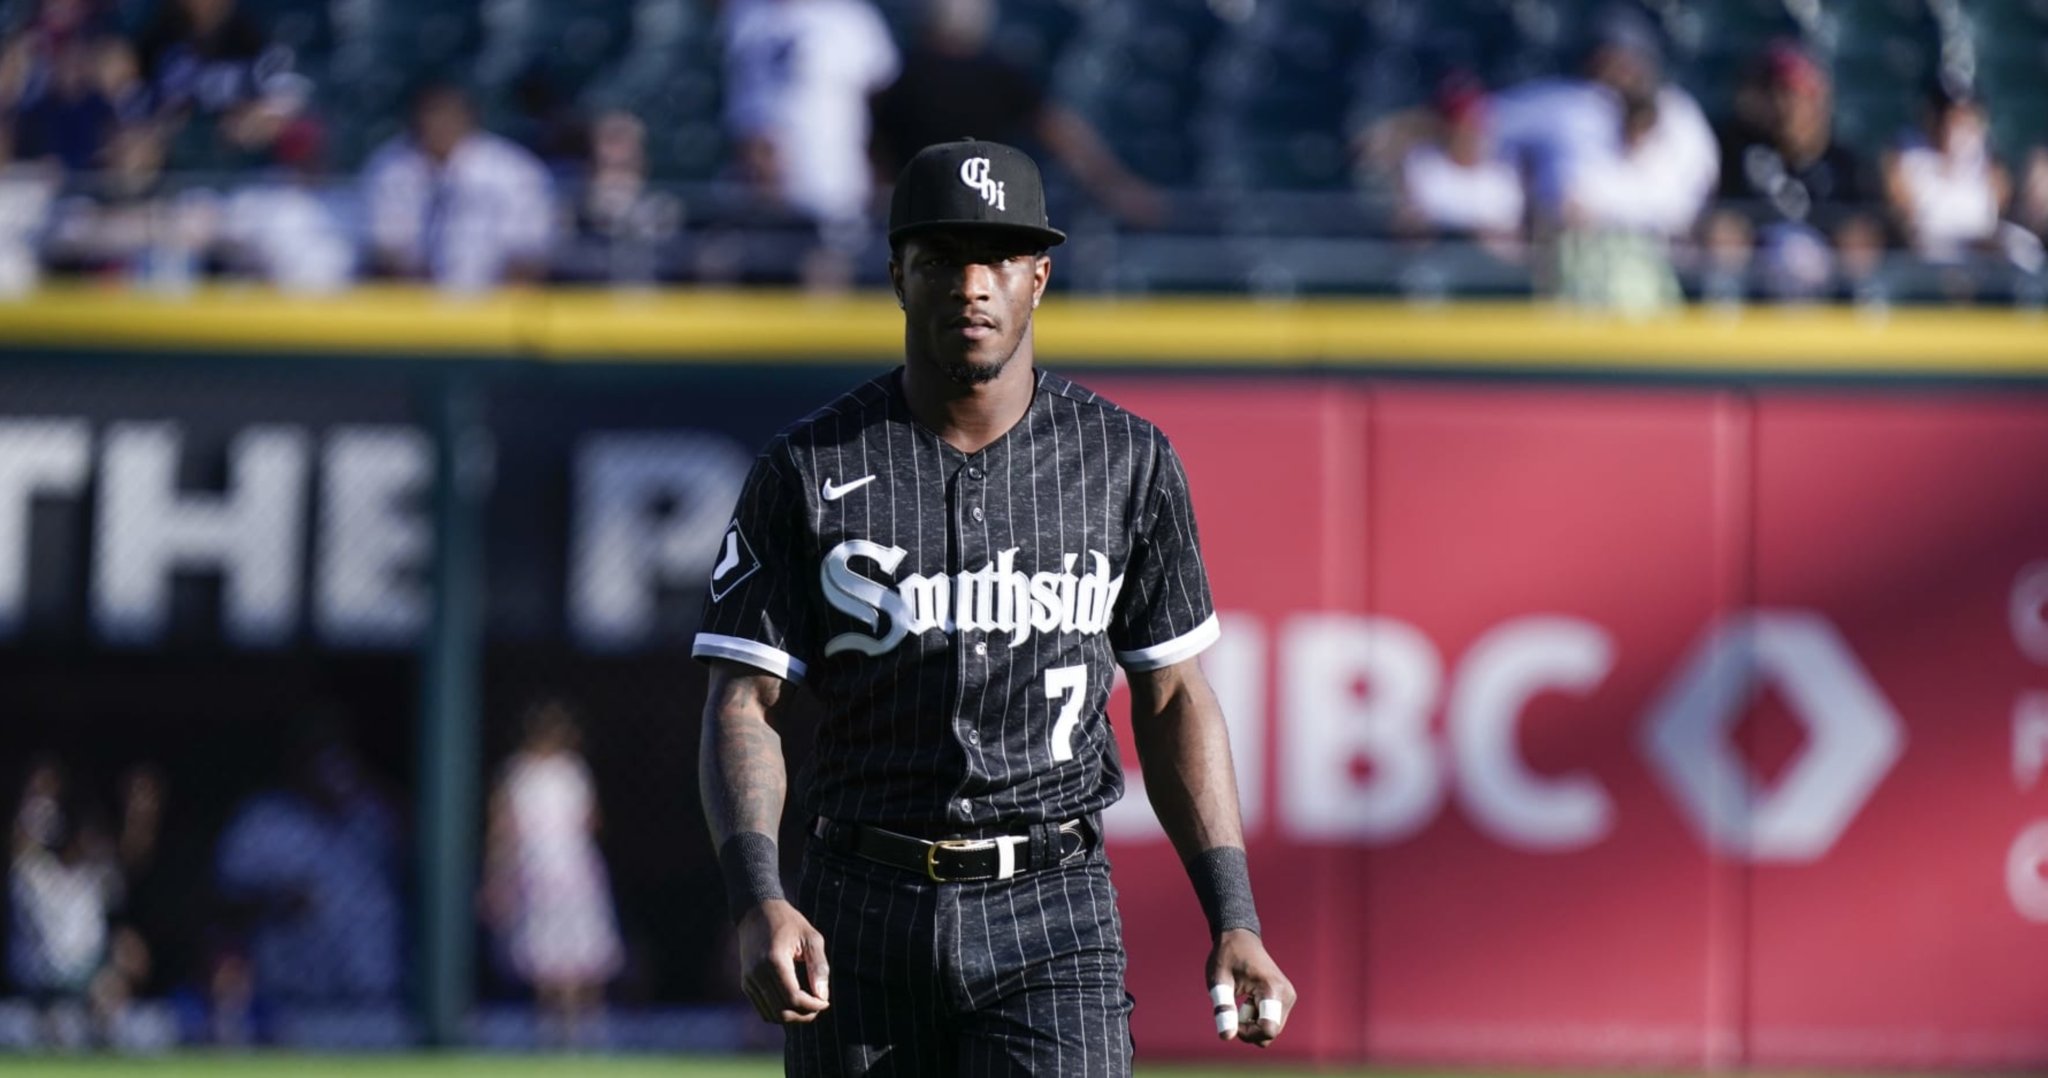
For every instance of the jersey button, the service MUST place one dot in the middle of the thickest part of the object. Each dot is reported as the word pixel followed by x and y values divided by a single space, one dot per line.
pixel 965 808
pixel 974 737
pixel 976 513
pixel 981 647
pixel 973 472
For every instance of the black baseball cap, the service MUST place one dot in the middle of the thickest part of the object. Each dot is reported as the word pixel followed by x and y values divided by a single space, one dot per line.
pixel 971 184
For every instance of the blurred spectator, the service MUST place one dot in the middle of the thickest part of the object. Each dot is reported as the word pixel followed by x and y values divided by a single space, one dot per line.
pixel 66 879
pixel 1802 201
pixel 311 870
pixel 1606 192
pixel 616 214
pixel 66 79
pixel 545 119
pixel 128 224
pixel 69 117
pixel 1946 190
pixel 547 895
pixel 28 191
pixel 291 228
pixel 209 63
pixel 223 1008
pixel 1620 120
pixel 1453 186
pixel 455 204
pixel 953 86
pixel 2032 204
pixel 39 813
pixel 799 76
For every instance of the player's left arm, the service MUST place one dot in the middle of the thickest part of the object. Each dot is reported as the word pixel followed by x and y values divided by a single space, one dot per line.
pixel 1184 751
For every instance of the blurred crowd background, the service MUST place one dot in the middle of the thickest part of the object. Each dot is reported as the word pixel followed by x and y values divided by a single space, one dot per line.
pixel 259 888
pixel 1615 153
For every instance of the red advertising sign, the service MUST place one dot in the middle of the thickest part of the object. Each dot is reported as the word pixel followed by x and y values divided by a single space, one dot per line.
pixel 1919 531
pixel 1622 727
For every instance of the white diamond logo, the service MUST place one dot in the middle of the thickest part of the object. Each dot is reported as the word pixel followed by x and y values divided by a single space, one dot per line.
pixel 1853 737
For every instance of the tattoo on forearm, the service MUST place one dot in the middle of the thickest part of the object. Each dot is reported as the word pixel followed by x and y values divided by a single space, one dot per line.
pixel 741 772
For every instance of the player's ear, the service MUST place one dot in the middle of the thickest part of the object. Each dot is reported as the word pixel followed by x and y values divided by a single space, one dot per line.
pixel 896 280
pixel 1040 274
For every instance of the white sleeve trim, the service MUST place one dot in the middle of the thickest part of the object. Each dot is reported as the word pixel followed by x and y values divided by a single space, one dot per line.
pixel 1179 649
pixel 753 653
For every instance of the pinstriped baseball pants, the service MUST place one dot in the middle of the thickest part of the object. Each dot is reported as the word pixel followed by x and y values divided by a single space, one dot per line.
pixel 964 980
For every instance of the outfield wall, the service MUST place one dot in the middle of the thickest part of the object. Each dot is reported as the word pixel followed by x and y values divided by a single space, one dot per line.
pixel 1627 727
pixel 1590 709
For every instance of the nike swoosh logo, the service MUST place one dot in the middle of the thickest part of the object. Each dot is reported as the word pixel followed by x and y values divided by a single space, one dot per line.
pixel 833 493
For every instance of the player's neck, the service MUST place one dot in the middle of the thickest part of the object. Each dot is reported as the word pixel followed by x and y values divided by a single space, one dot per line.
pixel 971 418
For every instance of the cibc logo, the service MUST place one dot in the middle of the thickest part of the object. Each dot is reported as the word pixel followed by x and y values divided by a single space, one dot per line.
pixel 1853 737
pixel 1412 770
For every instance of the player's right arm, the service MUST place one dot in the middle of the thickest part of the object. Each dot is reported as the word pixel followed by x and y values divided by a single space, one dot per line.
pixel 755 638
pixel 743 781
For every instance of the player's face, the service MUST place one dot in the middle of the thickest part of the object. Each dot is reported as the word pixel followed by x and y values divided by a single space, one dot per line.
pixel 967 299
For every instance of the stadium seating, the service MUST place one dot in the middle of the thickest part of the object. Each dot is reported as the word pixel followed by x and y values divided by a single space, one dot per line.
pixel 1246 112
pixel 1232 94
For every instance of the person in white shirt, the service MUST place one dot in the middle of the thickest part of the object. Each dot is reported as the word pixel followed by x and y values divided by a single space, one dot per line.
pixel 799 77
pixel 1455 185
pixel 1572 137
pixel 1642 187
pixel 291 227
pixel 1947 190
pixel 454 204
pixel 63 881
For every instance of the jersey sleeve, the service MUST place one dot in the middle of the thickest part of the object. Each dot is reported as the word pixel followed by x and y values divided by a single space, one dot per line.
pixel 1164 614
pixel 755 612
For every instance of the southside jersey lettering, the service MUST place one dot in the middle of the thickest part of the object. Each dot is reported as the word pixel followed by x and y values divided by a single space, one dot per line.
pixel 961 615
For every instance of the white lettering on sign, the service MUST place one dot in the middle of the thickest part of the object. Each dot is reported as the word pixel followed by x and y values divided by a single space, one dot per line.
pixel 645 513
pixel 648 513
pixel 2026 873
pixel 374 537
pixel 2027 611
pixel 148 530
pixel 1357 693
pixel 38 458
pixel 2029 739
pixel 1360 761
pixel 1512 664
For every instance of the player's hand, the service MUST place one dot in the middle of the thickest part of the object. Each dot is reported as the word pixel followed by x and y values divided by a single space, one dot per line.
pixel 1240 962
pixel 774 940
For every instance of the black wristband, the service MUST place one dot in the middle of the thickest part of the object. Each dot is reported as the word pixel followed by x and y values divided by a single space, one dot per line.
pixel 1223 885
pixel 753 874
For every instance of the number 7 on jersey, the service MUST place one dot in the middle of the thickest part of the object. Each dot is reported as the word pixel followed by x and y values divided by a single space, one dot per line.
pixel 1069 685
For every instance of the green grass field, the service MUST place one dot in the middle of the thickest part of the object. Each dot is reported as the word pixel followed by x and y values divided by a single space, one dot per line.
pixel 189 1065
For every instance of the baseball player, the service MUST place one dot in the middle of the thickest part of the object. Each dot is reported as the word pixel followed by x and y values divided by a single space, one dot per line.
pixel 954 558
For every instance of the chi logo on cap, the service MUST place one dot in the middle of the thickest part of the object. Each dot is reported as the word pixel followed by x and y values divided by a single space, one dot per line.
pixel 974 173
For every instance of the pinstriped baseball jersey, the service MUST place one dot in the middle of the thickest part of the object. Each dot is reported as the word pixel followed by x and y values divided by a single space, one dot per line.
pixel 961 615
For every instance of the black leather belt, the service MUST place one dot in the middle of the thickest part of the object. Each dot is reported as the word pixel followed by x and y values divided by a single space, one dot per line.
pixel 952 860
